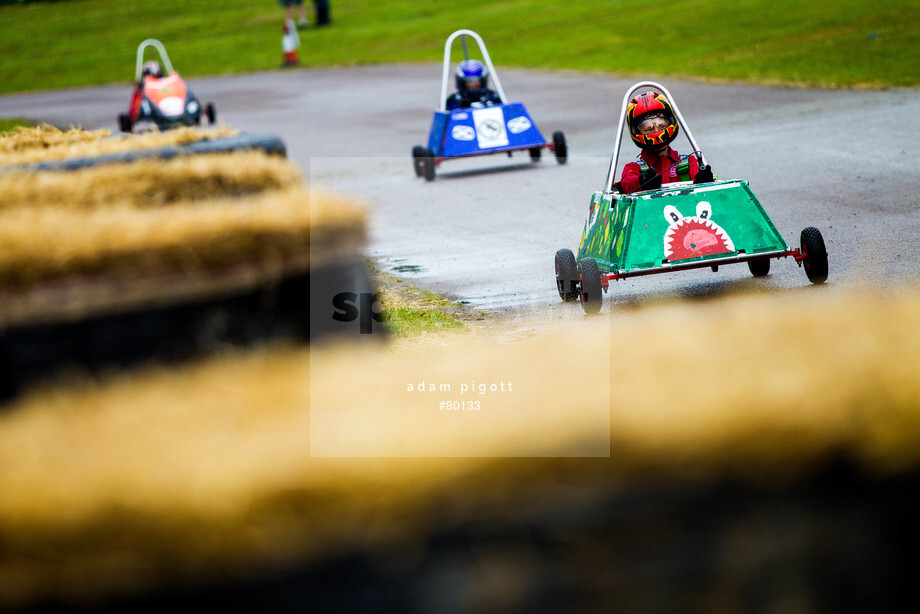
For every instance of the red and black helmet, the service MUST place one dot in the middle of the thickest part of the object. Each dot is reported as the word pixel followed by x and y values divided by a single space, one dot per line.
pixel 152 69
pixel 648 106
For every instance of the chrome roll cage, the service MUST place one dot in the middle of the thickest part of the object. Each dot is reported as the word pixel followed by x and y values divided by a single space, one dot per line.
pixel 445 80
pixel 611 173
pixel 164 58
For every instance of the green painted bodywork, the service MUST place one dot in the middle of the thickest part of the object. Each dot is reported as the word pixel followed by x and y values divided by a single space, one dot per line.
pixel 626 233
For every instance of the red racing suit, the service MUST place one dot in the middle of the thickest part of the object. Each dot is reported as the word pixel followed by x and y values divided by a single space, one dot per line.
pixel 629 181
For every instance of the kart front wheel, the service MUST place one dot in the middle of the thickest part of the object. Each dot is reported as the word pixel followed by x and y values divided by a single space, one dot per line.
pixel 759 268
pixel 590 291
pixel 561 149
pixel 418 160
pixel 566 275
pixel 535 153
pixel 211 113
pixel 124 122
pixel 428 165
pixel 814 255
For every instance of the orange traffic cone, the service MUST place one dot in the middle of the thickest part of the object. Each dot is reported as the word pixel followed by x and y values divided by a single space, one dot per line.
pixel 290 41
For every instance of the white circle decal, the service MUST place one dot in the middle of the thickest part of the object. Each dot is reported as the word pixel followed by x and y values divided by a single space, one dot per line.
pixel 172 106
pixel 463 133
pixel 518 125
pixel 489 128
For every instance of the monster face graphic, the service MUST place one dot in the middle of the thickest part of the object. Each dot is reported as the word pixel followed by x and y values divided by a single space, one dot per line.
pixel 690 237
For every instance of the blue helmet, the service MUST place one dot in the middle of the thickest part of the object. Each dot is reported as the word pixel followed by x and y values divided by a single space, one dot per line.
pixel 472 76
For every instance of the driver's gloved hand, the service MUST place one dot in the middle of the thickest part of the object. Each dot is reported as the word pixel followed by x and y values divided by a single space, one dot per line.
pixel 704 175
pixel 649 180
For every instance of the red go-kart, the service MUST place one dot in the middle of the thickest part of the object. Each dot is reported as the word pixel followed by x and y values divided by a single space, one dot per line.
pixel 160 95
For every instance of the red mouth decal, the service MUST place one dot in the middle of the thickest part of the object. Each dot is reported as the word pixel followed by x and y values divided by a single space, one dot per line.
pixel 691 237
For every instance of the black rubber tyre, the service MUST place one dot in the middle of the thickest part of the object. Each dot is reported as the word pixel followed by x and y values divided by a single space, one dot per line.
pixel 428 165
pixel 562 150
pixel 591 293
pixel 124 122
pixel 535 153
pixel 211 113
pixel 566 275
pixel 815 255
pixel 759 268
pixel 418 161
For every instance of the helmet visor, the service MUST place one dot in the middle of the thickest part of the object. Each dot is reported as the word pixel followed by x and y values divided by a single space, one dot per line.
pixel 653 123
pixel 472 83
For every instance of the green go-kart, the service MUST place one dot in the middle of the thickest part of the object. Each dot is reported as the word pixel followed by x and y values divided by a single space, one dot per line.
pixel 677 227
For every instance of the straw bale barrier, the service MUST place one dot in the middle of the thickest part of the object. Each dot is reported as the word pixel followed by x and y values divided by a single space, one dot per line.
pixel 148 246
pixel 148 183
pixel 763 456
pixel 46 143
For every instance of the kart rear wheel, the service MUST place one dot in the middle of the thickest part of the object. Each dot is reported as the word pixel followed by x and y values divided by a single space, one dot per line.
pixel 562 151
pixel 590 292
pixel 418 162
pixel 535 153
pixel 124 122
pixel 428 165
pixel 566 275
pixel 211 113
pixel 815 255
pixel 759 268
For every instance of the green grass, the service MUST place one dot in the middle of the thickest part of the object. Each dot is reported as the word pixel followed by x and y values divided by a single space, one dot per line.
pixel 10 124
pixel 413 321
pixel 408 311
pixel 848 43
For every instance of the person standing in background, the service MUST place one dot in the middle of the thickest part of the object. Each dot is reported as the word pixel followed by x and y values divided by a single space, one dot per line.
pixel 322 12
pixel 288 6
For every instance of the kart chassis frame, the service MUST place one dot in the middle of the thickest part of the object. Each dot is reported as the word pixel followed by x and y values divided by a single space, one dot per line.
pixel 667 267
pixel 164 57
pixel 462 34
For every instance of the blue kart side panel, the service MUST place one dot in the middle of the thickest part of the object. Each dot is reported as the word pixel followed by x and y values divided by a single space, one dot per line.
pixel 483 130
pixel 438 128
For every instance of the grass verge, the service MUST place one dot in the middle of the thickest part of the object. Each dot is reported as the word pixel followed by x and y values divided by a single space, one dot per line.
pixel 410 312
pixel 10 124
pixel 849 43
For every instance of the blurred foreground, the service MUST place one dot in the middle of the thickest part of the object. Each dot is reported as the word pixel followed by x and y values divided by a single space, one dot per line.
pixel 118 249
pixel 745 453
pixel 763 458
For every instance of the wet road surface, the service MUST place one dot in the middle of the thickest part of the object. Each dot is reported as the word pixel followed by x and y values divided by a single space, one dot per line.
pixel 485 231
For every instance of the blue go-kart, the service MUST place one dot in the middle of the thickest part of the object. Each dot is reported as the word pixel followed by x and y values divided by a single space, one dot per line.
pixel 481 129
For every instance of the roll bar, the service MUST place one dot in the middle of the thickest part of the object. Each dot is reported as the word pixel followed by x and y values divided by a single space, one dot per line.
pixel 445 80
pixel 611 174
pixel 164 58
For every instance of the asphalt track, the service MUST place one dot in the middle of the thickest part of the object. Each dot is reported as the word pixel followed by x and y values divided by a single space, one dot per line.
pixel 486 229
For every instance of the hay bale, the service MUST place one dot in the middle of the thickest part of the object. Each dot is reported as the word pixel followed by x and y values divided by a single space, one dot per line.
pixel 149 183
pixel 46 143
pixel 54 247
pixel 91 258
pixel 763 450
